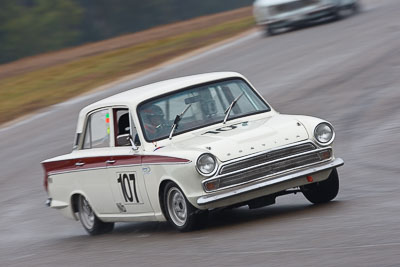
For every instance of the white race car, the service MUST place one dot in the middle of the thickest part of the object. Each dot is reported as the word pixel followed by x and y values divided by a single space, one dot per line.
pixel 276 14
pixel 175 149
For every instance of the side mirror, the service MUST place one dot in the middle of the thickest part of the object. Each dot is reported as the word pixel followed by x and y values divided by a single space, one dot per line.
pixel 126 140
pixel 123 140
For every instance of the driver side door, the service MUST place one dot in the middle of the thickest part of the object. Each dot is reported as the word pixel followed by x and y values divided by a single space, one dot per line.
pixel 125 169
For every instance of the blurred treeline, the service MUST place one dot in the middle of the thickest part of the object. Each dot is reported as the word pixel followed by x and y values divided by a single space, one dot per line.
pixel 29 27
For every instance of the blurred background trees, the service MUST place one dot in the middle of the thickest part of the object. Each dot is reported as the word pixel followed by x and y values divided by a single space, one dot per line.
pixel 29 27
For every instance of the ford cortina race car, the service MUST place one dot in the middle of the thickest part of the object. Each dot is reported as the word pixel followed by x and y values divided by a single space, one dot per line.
pixel 174 150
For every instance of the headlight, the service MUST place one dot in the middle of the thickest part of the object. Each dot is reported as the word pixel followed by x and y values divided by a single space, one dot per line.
pixel 206 164
pixel 324 133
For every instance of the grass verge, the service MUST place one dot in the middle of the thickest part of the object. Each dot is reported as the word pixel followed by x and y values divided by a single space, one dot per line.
pixel 31 91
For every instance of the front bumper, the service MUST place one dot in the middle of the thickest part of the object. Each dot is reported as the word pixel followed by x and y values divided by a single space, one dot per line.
pixel 274 184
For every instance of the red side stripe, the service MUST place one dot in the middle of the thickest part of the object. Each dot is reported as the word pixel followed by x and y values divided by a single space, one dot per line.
pixel 162 159
pixel 97 162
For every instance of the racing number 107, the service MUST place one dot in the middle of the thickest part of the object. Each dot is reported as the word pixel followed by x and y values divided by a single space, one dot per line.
pixel 128 186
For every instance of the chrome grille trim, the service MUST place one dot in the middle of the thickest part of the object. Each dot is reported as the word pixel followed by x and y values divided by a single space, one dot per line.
pixel 271 169
pixel 290 164
pixel 291 6
pixel 266 156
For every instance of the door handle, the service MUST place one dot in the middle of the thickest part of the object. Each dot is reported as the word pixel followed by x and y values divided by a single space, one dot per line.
pixel 79 164
pixel 110 161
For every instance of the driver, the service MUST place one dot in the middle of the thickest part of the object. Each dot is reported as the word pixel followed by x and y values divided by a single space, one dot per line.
pixel 154 122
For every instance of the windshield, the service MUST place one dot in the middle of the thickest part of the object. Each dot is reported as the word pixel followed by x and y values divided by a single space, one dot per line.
pixel 206 105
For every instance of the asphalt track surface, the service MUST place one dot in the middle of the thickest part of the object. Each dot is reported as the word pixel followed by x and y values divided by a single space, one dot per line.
pixel 347 72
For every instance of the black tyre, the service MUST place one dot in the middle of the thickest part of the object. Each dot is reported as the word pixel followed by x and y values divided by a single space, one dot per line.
pixel 356 7
pixel 89 220
pixel 338 14
pixel 182 215
pixel 270 31
pixel 324 191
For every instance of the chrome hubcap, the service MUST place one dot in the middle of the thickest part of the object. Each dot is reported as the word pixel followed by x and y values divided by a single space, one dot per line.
pixel 177 208
pixel 86 213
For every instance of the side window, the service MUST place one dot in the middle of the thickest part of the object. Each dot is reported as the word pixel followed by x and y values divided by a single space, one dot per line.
pixel 97 133
pixel 121 117
pixel 124 126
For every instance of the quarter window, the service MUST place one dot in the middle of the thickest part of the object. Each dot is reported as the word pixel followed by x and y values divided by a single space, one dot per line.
pixel 97 133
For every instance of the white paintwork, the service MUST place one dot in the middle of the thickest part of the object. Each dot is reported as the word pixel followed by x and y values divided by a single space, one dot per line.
pixel 253 134
pixel 264 15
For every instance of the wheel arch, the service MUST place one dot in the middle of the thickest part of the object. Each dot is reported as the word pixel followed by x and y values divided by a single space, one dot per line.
pixel 161 187
pixel 74 198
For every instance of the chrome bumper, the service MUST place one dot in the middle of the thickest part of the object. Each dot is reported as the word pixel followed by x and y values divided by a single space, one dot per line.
pixel 48 202
pixel 213 198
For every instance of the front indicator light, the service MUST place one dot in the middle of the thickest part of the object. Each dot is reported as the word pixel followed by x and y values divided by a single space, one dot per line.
pixel 325 154
pixel 212 185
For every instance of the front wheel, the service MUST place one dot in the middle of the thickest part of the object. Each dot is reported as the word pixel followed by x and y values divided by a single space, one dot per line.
pixel 324 191
pixel 89 220
pixel 180 213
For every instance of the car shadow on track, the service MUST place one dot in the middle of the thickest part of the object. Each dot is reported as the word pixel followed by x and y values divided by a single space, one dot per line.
pixel 277 213
pixel 237 217
pixel 219 221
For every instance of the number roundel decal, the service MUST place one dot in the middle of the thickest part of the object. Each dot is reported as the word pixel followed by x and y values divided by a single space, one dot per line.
pixel 127 182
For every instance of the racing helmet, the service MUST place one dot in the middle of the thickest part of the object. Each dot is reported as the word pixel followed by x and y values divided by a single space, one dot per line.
pixel 153 114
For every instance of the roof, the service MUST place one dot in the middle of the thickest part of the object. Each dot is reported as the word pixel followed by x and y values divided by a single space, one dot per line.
pixel 139 94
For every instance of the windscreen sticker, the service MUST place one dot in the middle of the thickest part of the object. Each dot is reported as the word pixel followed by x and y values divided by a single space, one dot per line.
pixel 108 123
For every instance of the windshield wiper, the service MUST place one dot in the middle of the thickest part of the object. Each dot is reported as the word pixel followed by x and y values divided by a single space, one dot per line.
pixel 177 120
pixel 229 109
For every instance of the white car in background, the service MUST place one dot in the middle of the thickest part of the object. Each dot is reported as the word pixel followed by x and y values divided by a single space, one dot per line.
pixel 175 149
pixel 276 14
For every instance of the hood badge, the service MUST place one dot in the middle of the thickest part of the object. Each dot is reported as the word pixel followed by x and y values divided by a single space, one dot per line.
pixel 208 147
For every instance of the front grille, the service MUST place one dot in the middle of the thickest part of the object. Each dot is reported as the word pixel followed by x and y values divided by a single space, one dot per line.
pixel 269 169
pixel 269 156
pixel 287 7
pixel 268 165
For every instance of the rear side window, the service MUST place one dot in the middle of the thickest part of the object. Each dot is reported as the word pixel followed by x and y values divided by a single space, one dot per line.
pixel 97 132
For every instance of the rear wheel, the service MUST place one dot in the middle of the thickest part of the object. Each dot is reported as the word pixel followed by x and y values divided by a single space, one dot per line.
pixel 89 220
pixel 182 215
pixel 324 191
